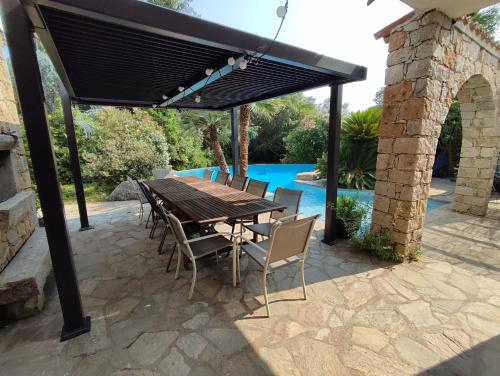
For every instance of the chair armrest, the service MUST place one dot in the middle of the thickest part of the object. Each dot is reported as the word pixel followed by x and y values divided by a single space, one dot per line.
pixel 206 237
pixel 250 242
pixel 184 222
pixel 288 217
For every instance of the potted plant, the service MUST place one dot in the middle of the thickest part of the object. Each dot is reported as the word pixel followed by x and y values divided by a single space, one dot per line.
pixel 350 213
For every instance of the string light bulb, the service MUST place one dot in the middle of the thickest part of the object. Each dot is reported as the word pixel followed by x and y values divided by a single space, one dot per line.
pixel 209 71
pixel 281 11
pixel 181 88
pixel 154 105
pixel 197 99
pixel 243 64
pixel 231 61
pixel 164 96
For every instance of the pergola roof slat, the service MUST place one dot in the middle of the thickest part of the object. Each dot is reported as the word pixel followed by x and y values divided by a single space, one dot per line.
pixel 131 53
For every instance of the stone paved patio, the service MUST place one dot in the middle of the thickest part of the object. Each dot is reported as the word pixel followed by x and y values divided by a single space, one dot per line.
pixel 440 315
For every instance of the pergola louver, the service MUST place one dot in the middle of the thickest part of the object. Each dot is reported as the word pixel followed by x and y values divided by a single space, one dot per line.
pixel 130 53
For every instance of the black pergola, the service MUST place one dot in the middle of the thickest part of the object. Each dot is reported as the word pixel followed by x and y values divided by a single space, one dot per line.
pixel 130 53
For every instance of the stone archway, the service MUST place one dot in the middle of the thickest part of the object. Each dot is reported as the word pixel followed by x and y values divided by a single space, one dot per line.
pixel 478 155
pixel 431 60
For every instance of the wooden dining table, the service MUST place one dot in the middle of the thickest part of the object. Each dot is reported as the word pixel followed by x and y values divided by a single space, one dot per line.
pixel 207 202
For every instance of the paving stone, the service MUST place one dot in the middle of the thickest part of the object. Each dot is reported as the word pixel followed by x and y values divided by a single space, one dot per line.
pixel 418 313
pixel 197 322
pixel 174 364
pixel 226 340
pixel 149 347
pixel 415 353
pixel 370 338
pixel 192 344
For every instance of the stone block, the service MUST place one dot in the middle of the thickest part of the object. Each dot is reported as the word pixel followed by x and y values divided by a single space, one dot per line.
pixel 400 56
pixel 412 162
pixel 23 280
pixel 424 33
pixel 415 108
pixel 390 112
pixel 405 177
pixel 398 92
pixel 416 145
pixel 418 69
pixel 422 127
pixel 394 74
pixel 385 145
pixel 381 203
pixel 387 189
pixel 392 130
pixel 396 40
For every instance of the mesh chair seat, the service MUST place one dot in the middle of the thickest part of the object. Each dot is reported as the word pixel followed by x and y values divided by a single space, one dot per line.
pixel 210 245
pixel 263 229
pixel 259 256
pixel 222 178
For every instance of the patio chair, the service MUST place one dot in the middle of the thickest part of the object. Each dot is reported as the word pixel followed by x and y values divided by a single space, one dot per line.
pixel 288 244
pixel 288 197
pixel 239 182
pixel 256 188
pixel 208 174
pixel 142 200
pixel 195 248
pixel 222 178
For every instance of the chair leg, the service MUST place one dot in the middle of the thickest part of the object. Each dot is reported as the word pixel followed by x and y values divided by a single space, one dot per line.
pixel 162 241
pixel 179 260
pixel 264 283
pixel 141 213
pixel 303 280
pixel 193 281
pixel 149 216
pixel 171 256
pixel 235 261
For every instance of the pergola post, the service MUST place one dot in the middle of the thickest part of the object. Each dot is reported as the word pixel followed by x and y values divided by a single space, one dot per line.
pixel 75 160
pixel 235 140
pixel 332 177
pixel 19 36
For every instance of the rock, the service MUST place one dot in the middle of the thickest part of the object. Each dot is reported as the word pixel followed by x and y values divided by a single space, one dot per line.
pixel 123 192
pixel 308 176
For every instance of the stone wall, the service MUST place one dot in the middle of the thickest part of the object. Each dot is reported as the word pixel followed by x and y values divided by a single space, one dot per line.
pixel 430 61
pixel 17 203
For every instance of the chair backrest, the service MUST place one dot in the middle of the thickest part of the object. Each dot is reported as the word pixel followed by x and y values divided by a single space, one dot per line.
pixel 257 187
pixel 138 190
pixel 180 235
pixel 149 196
pixel 288 197
pixel 208 174
pixel 222 178
pixel 239 182
pixel 290 238
pixel 162 173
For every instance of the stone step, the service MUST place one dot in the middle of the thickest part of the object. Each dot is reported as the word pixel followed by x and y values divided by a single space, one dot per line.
pixel 23 280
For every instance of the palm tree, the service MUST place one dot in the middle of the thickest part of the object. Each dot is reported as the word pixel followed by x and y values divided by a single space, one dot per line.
pixel 213 122
pixel 244 137
pixel 362 125
pixel 263 110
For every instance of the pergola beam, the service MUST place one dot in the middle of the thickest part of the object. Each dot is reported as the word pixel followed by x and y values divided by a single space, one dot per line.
pixel 196 87
pixel 75 160
pixel 19 36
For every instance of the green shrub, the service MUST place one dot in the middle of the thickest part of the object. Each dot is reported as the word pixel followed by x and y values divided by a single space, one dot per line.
pixel 307 144
pixel 126 143
pixel 351 211
pixel 377 243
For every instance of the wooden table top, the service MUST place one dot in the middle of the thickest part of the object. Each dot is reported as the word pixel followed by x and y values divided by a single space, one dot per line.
pixel 208 202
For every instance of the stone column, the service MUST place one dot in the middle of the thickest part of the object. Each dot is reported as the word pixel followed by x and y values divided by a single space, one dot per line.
pixel 429 60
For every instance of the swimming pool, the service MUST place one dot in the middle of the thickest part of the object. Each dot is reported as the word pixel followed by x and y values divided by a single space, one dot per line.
pixel 283 175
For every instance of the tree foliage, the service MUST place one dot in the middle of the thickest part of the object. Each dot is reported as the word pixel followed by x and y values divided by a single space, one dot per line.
pixel 362 125
pixel 379 97
pixel 489 19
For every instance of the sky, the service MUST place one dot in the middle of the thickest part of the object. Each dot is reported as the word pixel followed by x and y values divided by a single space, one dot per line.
pixel 342 29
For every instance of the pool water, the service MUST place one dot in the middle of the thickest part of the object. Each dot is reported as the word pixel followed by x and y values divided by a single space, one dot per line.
pixel 283 175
